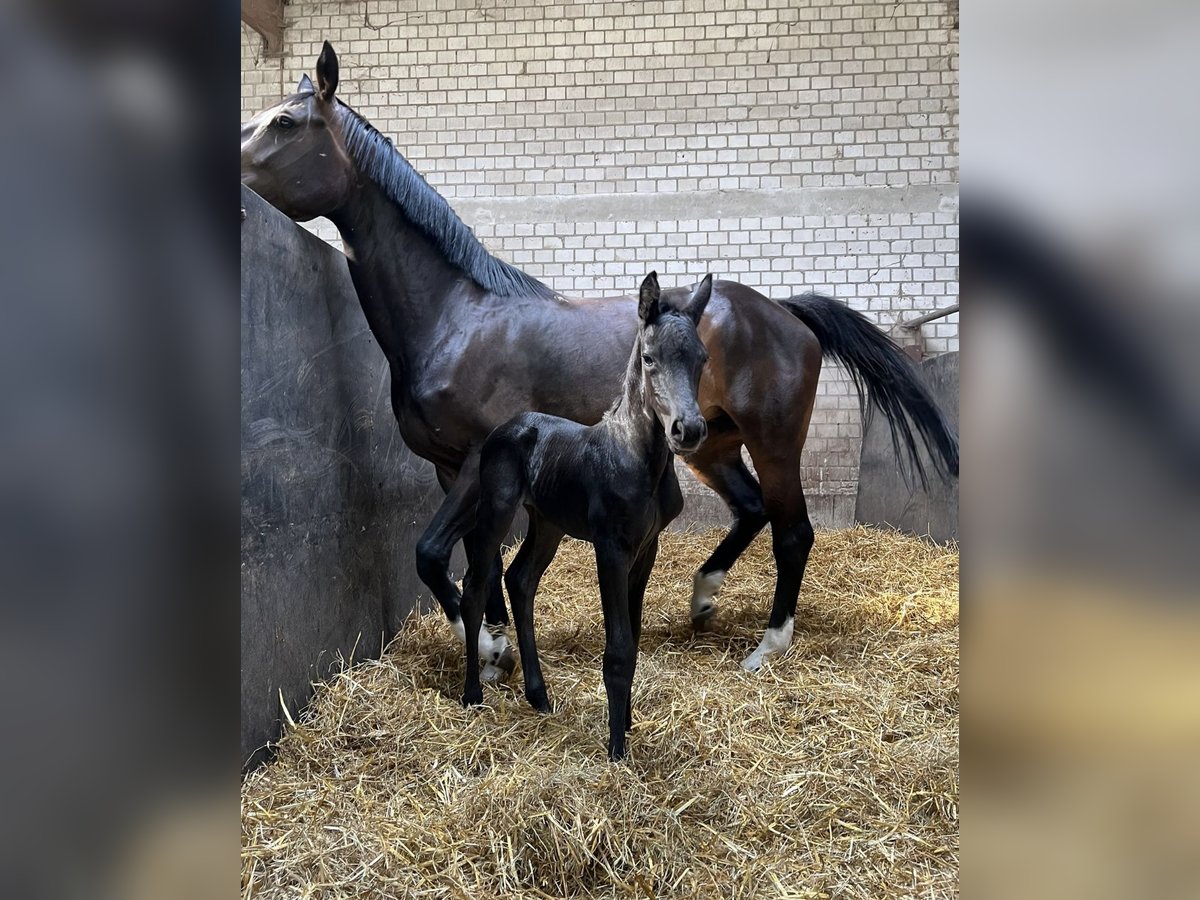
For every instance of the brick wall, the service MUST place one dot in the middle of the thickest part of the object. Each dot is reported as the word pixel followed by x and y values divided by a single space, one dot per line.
pixel 787 146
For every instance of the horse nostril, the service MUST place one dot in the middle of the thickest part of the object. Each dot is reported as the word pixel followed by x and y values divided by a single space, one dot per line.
pixel 677 431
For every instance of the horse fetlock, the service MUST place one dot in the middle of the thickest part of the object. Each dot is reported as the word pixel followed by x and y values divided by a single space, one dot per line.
pixel 506 660
pixel 774 641
pixel 500 646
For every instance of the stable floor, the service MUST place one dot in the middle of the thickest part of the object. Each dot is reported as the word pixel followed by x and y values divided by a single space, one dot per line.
pixel 831 773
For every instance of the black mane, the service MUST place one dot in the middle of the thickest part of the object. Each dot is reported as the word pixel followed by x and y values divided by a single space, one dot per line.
pixel 380 161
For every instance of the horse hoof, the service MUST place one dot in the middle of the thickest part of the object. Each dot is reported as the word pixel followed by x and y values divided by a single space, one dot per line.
pixel 507 660
pixel 616 752
pixel 539 700
pixel 702 620
pixel 493 674
pixel 752 663
pixel 472 698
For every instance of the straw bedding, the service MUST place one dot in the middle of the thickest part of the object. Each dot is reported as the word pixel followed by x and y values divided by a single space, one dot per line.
pixel 832 773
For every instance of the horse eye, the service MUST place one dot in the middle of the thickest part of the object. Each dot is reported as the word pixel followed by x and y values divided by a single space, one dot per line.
pixel 285 121
pixel 647 361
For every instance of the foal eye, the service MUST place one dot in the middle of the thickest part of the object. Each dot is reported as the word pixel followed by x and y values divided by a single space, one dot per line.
pixel 285 121
pixel 647 361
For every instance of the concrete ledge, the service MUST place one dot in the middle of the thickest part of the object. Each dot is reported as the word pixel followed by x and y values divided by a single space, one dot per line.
pixel 332 500
pixel 667 206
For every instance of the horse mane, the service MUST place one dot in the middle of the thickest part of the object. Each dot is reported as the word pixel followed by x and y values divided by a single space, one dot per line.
pixel 380 161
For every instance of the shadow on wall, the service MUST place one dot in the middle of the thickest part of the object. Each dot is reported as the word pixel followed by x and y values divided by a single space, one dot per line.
pixel 332 500
pixel 889 492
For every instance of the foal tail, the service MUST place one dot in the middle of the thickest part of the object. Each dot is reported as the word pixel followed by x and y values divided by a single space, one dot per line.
pixel 880 369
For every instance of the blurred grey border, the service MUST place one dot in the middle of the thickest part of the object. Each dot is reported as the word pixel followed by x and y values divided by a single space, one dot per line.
pixel 118 482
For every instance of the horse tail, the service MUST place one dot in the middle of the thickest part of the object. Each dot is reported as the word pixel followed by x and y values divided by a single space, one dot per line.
pixel 882 372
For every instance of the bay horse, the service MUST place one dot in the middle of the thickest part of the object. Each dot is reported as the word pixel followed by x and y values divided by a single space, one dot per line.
pixel 612 483
pixel 472 341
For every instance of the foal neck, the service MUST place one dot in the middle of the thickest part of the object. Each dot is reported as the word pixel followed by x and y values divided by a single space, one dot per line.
pixel 632 418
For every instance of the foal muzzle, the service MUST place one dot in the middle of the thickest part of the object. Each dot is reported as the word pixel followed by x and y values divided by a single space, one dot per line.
pixel 686 435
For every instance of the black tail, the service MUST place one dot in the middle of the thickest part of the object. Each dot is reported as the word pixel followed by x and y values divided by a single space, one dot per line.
pixel 881 369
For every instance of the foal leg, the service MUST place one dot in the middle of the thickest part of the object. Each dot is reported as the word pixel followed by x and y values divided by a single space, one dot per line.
pixel 537 551
pixel 639 577
pixel 792 540
pixel 620 652
pixel 495 652
pixel 500 497
pixel 724 472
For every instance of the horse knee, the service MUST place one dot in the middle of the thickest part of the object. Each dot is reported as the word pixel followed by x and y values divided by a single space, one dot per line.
pixel 432 561
pixel 751 515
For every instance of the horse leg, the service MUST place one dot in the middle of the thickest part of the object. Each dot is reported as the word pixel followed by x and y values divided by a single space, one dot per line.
pixel 639 576
pixel 453 519
pixel 792 540
pixel 500 495
pixel 536 553
pixel 722 470
pixel 613 565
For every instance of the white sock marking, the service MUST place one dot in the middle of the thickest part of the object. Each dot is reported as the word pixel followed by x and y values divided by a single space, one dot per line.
pixel 704 588
pixel 775 640
pixel 499 645
pixel 485 644
pixel 490 648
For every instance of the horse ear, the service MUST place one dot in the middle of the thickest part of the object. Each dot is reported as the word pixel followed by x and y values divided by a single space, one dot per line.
pixel 648 298
pixel 327 72
pixel 305 85
pixel 700 298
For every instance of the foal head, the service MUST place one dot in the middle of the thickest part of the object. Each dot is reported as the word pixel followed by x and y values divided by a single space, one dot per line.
pixel 294 155
pixel 672 358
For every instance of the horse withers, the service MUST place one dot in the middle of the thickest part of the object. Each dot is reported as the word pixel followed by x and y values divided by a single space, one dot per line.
pixel 612 483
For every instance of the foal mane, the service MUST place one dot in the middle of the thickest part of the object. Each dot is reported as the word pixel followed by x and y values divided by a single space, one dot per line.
pixel 380 161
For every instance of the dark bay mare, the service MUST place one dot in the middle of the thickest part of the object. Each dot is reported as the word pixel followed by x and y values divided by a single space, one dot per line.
pixel 612 483
pixel 472 341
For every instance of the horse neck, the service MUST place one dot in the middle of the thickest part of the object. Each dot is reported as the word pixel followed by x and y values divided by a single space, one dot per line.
pixel 404 283
pixel 633 420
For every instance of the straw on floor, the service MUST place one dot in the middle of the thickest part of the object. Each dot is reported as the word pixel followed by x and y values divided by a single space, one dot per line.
pixel 832 773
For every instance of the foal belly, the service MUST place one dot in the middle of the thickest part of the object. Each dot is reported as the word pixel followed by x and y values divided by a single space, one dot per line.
pixel 566 505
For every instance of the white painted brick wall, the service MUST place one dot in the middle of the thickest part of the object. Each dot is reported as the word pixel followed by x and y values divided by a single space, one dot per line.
pixel 787 146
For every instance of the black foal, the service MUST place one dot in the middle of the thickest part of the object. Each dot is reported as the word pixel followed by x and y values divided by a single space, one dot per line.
pixel 612 483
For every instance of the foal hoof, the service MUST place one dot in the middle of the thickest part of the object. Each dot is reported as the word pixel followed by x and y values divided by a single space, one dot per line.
pixel 472 697
pixel 539 700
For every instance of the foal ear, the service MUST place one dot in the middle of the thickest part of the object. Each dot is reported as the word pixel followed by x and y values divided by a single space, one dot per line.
pixel 327 72
pixel 305 85
pixel 648 298
pixel 700 298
